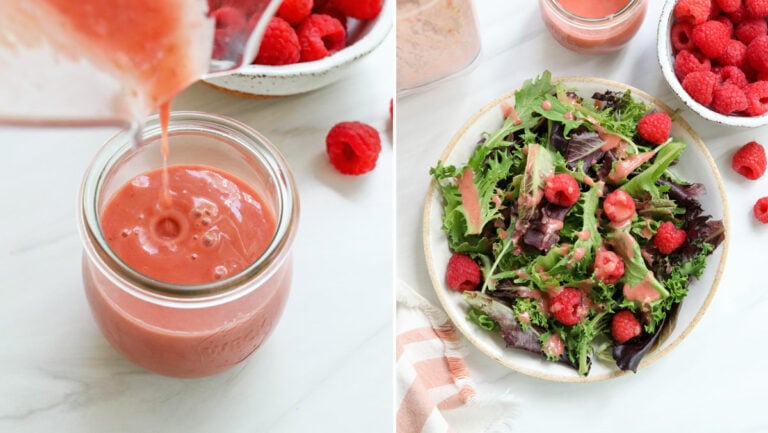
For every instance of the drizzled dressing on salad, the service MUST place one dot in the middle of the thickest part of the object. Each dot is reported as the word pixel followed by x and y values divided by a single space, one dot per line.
pixel 530 250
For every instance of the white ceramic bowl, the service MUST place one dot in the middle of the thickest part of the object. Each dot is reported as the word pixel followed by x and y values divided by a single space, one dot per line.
pixel 695 165
pixel 265 80
pixel 667 62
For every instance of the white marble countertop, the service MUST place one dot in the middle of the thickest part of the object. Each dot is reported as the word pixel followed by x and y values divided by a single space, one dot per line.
pixel 715 377
pixel 327 366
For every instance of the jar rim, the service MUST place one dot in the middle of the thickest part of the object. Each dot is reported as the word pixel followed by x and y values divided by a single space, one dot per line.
pixel 249 140
pixel 600 20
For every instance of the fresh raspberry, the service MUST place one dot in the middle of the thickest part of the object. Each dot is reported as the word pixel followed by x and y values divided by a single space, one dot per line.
pixel 681 36
pixel 561 190
pixel 625 326
pixel 690 61
pixel 320 36
pixel 360 9
pixel 700 86
pixel 728 99
pixel 331 10
pixel 280 45
pixel 655 127
pixel 693 11
pixel 711 37
pixel 749 161
pixel 728 6
pixel 229 18
pixel 619 207
pixel 727 22
pixel 353 147
pixel 714 10
pixel 761 210
pixel 756 8
pixel 318 5
pixel 757 98
pixel 568 306
pixel 750 29
pixel 668 238
pixel 463 273
pixel 735 54
pixel 609 268
pixel 732 75
pixel 739 15
pixel 757 53
pixel 295 11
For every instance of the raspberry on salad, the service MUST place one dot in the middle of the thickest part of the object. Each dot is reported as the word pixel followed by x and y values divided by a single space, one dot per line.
pixel 561 190
pixel 619 207
pixel 609 267
pixel 353 147
pixel 320 36
pixel 750 161
pixel 655 127
pixel 280 45
pixel 693 11
pixel 668 238
pixel 295 11
pixel 711 37
pixel 568 307
pixel 625 326
pixel 462 273
pixel 700 86
pixel 761 210
pixel 360 9
pixel 757 98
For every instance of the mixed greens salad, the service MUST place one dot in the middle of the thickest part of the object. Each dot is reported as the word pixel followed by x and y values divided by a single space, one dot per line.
pixel 529 249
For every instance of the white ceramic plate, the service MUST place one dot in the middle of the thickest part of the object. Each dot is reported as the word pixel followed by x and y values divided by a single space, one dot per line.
pixel 695 165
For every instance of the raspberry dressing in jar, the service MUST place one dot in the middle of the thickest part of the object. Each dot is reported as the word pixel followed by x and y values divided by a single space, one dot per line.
pixel 150 300
pixel 593 26
pixel 435 39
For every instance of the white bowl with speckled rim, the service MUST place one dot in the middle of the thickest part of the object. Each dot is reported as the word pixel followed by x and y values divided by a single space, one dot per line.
pixel 667 62
pixel 695 165
pixel 265 80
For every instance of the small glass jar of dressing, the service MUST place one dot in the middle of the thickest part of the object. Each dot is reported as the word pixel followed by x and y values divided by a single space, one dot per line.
pixel 188 330
pixel 593 26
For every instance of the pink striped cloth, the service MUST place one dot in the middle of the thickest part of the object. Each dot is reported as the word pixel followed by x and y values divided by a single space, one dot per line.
pixel 434 392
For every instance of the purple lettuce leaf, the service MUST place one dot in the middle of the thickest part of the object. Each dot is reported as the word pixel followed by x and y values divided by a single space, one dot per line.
pixel 628 355
pixel 585 146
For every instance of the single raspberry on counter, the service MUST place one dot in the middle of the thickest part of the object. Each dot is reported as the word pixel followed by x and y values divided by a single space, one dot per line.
pixel 295 11
pixel 353 147
pixel 668 238
pixel 625 326
pixel 757 54
pixel 728 6
pixel 751 29
pixel 690 61
pixel 360 9
pixel 761 210
pixel 749 161
pixel 655 127
pixel 609 267
pixel 561 190
pixel 568 307
pixel 320 36
pixel 756 8
pixel 700 86
pixel 693 11
pixel 619 207
pixel 681 36
pixel 757 98
pixel 729 98
pixel 734 54
pixel 732 75
pixel 711 37
pixel 280 45
pixel 462 273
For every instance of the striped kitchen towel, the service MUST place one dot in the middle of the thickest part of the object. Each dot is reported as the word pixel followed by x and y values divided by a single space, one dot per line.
pixel 434 392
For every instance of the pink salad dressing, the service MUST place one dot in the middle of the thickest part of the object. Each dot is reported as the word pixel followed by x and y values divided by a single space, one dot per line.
pixel 470 200
pixel 643 292
pixel 593 8
pixel 215 226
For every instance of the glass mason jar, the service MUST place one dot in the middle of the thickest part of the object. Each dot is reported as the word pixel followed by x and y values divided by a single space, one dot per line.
pixel 593 34
pixel 435 39
pixel 188 330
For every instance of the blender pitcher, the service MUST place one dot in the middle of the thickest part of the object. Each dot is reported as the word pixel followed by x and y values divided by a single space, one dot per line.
pixel 111 62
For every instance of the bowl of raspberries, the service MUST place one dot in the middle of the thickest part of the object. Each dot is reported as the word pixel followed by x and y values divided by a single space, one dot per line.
pixel 308 44
pixel 714 55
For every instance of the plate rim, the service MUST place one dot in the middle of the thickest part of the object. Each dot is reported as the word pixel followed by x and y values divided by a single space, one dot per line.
pixel 651 357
